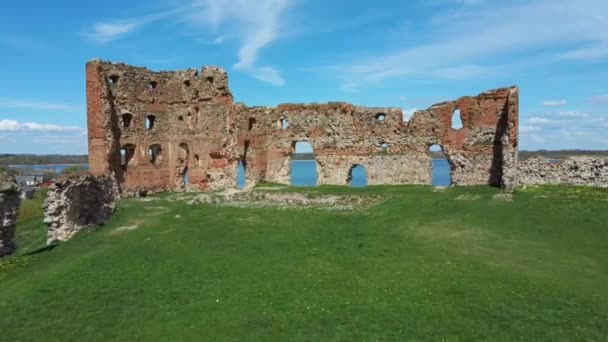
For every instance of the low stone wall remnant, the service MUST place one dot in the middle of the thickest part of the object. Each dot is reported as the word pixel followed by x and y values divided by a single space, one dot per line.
pixel 10 199
pixel 77 202
pixel 574 171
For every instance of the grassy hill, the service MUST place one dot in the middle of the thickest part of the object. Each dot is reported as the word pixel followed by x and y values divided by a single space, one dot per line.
pixel 459 264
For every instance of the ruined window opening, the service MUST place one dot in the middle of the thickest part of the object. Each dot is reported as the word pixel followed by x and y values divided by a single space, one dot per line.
pixel 186 177
pixel 210 79
pixel 380 117
pixel 283 122
pixel 184 153
pixel 457 119
pixel 197 160
pixel 357 176
pixel 153 85
pixel 384 146
pixel 126 154
pixel 180 118
pixel 154 154
pixel 150 120
pixel 246 147
pixel 126 120
pixel 187 83
pixel 303 165
pixel 241 176
pixel 440 167
pixel 113 79
pixel 251 123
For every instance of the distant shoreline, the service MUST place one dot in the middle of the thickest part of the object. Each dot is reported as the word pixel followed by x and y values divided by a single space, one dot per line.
pixel 22 165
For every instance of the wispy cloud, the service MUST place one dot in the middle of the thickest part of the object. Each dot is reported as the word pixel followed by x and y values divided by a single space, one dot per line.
pixel 16 126
pixel 468 36
pixel 529 128
pixel 573 114
pixel 35 137
pixel 37 105
pixel 565 129
pixel 600 100
pixel 24 44
pixel 554 103
pixel 109 31
pixel 257 23
pixel 588 53
pixel 103 33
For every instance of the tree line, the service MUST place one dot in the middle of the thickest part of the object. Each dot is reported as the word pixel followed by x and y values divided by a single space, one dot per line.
pixel 34 159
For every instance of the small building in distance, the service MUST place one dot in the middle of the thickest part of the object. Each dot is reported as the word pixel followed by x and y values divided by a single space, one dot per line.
pixel 30 177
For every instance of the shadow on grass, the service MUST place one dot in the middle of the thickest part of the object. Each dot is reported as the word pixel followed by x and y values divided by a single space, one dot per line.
pixel 42 250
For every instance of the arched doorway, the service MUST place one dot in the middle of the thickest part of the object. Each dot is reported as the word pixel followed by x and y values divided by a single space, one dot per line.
pixel 240 175
pixel 357 176
pixel 442 175
pixel 303 165
pixel 183 159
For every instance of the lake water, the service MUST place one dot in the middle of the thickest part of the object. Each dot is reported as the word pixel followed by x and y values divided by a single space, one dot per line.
pixel 304 173
pixel 51 167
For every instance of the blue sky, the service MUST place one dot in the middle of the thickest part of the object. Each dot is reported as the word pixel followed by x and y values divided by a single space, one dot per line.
pixel 407 54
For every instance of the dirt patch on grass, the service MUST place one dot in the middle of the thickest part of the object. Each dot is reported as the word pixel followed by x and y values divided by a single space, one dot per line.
pixel 257 198
pixel 503 197
pixel 131 226
pixel 468 197
pixel 449 231
pixel 157 210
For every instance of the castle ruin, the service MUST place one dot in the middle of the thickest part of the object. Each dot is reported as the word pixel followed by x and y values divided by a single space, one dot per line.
pixel 160 130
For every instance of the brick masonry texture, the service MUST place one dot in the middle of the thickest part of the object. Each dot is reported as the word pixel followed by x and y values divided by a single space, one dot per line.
pixel 150 129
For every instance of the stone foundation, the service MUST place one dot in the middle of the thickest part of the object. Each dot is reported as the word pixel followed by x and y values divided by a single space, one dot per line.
pixel 77 202
pixel 10 199
pixel 575 171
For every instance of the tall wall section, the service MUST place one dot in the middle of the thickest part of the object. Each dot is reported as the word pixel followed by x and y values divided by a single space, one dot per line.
pixel 153 129
pixel 199 134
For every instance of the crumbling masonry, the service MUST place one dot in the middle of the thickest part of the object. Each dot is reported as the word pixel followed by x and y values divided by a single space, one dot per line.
pixel 152 130
pixel 9 208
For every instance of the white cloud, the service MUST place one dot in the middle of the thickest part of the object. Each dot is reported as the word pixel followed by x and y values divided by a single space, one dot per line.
pixel 109 31
pixel 554 103
pixel 573 115
pixel 103 33
pixel 407 113
pixel 529 128
pixel 16 126
pixel 37 105
pixel 468 37
pixel 257 23
pixel 35 137
pixel 540 120
pixel 564 130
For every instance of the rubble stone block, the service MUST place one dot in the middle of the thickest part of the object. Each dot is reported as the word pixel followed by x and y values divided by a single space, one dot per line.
pixel 10 199
pixel 79 201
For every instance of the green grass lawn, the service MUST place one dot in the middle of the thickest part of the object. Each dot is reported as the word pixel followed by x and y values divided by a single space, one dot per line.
pixel 455 265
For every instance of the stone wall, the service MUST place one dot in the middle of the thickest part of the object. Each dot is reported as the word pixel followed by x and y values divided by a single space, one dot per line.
pixel 576 171
pixel 77 202
pixel 200 135
pixel 10 199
